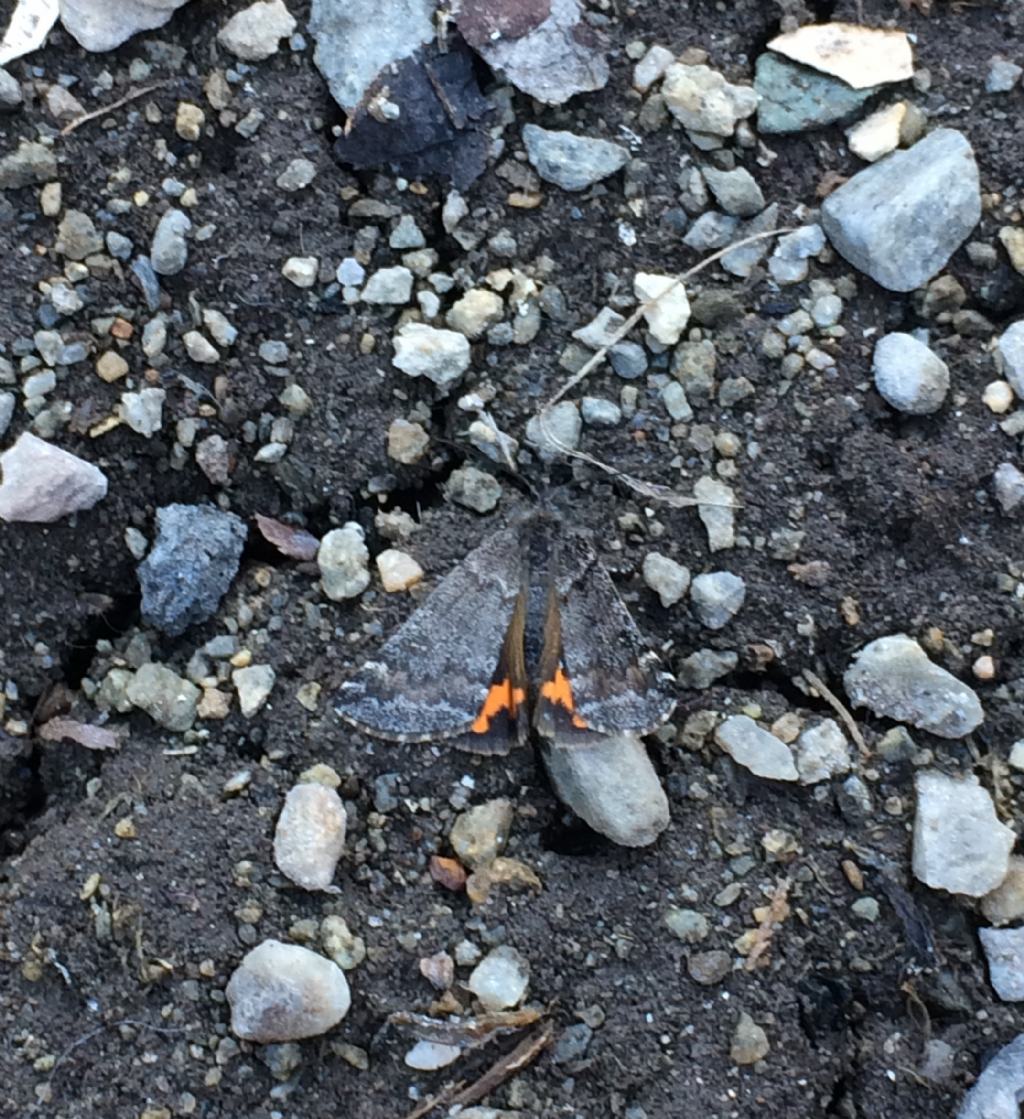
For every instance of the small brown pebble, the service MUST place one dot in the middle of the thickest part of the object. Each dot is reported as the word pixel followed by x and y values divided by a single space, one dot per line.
pixel 709 968
pixel 449 873
pixel 850 610
pixel 853 874
pixel 125 828
pixel 122 328
pixel 438 970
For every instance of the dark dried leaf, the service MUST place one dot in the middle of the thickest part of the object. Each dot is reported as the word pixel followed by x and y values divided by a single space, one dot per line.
pixel 436 131
pixel 296 543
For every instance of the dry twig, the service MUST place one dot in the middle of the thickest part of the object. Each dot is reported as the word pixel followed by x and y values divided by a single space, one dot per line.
pixel 818 685
pixel 131 95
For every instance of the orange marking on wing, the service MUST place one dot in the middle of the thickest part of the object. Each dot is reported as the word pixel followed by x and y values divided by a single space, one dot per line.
pixel 559 691
pixel 500 697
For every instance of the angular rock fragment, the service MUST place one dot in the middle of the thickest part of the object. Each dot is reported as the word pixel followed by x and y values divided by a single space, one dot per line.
pixel 40 483
pixel 310 835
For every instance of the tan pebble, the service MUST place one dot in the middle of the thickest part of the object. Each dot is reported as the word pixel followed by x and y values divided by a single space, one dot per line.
pixel 141 198
pixel 89 887
pixel 125 828
pixel 122 328
pixel 214 704
pixel 853 874
pixel 50 199
pixel 189 121
pixel 242 659
pixel 998 397
pixel 398 570
pixel 320 774
pixel 111 366
pixel 984 668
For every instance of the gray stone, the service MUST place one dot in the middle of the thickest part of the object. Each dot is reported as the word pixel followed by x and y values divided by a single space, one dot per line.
pixel 900 220
pixel 668 579
pixel 572 1044
pixel 77 236
pixel 7 403
pixel 143 411
pixel 1004 950
pixel 357 39
pixel 254 684
pixel 190 566
pixel 628 359
pixel 1008 483
pixel 1002 75
pixel 407 234
pixel 599 412
pixel 555 429
pixel 602 329
pixel 908 375
pixel 342 559
pixel 741 262
pixel 749 1042
pixel 704 666
pixel 893 677
pixel 796 98
pixel 717 512
pixel 10 91
pixel 998 1093
pixel 552 61
pixel 169 250
pixel 42 483
pixel 297 175
pixel 687 925
pixel 736 191
pixel 703 101
pixel 166 697
pixel 611 785
pixel 1010 356
pixel 254 33
pixel 389 285
pixel 822 752
pixel 960 844
pixel 717 597
pixel 676 402
pixel 31 162
pixel 711 231
pixel 475 489
pixel 284 992
pixel 102 28
pixel 310 835
pixel 756 749
pixel 788 262
pixel 570 161
pixel 442 356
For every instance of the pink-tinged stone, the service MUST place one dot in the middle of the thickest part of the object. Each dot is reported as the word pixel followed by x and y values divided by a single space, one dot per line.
pixel 41 483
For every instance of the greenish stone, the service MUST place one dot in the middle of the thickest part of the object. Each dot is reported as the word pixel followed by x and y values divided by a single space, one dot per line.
pixel 797 99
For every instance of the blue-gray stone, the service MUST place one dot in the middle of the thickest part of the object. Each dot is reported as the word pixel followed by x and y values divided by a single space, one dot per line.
pixel 570 161
pixel 900 220
pixel 191 565
pixel 796 98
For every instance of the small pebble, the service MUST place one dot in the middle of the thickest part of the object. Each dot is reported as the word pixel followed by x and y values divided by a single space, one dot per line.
pixel 717 597
pixel 909 376
pixel 501 978
pixel 342 559
pixel 756 749
pixel 479 835
pixel 254 685
pixel 310 835
pixel 667 578
pixel 398 570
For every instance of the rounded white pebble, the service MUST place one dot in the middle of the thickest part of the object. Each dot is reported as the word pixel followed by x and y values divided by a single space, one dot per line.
pixel 283 992
pixel 501 978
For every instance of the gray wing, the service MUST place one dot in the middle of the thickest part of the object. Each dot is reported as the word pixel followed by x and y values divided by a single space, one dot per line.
pixel 431 676
pixel 617 681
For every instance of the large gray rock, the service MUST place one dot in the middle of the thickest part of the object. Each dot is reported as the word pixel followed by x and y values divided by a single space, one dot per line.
pixel 960 845
pixel 901 219
pixel 998 1093
pixel 42 483
pixel 894 678
pixel 613 786
pixel 191 565
pixel 570 161
pixel 31 162
pixel 101 25
pixel 356 39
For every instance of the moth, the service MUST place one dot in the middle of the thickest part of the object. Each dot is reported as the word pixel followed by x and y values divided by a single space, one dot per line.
pixel 527 633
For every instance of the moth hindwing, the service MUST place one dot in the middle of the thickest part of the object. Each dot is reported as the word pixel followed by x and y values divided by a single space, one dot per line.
pixel 530 621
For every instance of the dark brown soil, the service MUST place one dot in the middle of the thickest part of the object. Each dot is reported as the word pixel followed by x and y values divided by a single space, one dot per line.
pixel 104 1011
